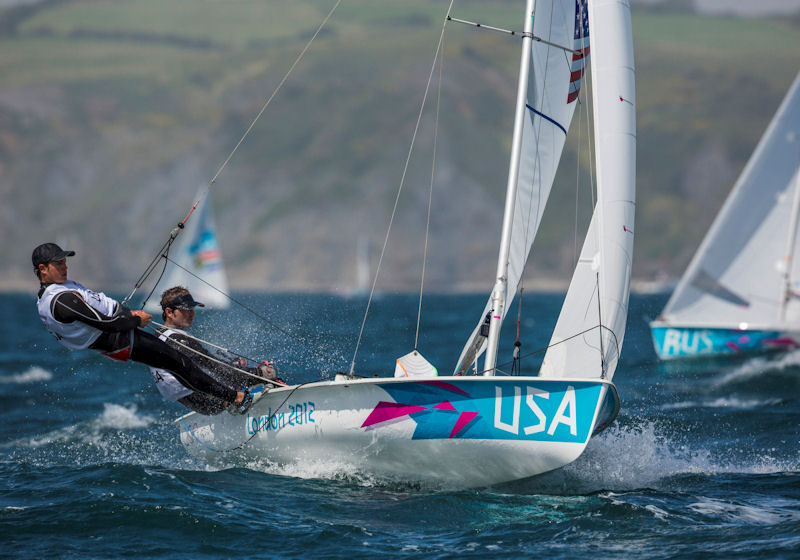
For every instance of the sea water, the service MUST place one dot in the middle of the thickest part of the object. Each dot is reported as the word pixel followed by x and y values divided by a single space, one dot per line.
pixel 703 460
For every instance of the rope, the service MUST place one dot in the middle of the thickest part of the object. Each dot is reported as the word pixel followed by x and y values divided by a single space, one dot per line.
pixel 399 191
pixel 430 193
pixel 590 329
pixel 212 358
pixel 253 312
pixel 163 252
pixel 517 365
pixel 277 89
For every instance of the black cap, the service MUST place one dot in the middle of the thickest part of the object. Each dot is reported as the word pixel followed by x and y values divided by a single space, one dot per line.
pixel 47 253
pixel 185 301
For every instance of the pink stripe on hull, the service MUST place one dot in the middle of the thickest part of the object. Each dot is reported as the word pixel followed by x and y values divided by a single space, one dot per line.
pixel 389 411
pixel 783 342
pixel 445 405
pixel 445 385
pixel 461 423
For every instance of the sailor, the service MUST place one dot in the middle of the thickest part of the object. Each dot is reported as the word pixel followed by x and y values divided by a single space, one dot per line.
pixel 178 312
pixel 80 318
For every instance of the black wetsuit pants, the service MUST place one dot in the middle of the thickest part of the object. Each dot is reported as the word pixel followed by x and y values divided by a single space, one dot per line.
pixel 205 404
pixel 150 350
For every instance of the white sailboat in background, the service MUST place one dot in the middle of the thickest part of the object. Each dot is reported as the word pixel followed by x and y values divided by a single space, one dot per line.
pixel 198 263
pixel 479 430
pixel 739 292
pixel 363 268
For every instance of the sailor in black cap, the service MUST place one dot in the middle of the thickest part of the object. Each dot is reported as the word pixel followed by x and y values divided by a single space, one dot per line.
pixel 80 318
pixel 178 307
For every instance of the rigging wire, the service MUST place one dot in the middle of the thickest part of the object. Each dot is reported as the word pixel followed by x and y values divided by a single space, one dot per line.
pixel 288 334
pixel 527 227
pixel 399 190
pixel 204 193
pixel 430 194
pixel 544 348
pixel 155 284
pixel 163 252
pixel 212 358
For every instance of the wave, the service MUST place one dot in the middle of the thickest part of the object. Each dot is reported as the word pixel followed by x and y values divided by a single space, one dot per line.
pixel 739 513
pixel 114 417
pixel 34 374
pixel 723 402
pixel 347 472
pixel 121 417
pixel 324 469
pixel 759 366
pixel 627 458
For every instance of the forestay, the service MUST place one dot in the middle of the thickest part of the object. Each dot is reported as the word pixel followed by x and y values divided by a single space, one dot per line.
pixel 604 266
pixel 737 275
pixel 553 86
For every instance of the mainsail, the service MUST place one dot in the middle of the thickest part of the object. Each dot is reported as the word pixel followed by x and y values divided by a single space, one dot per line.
pixel 198 263
pixel 553 86
pixel 738 274
pixel 591 326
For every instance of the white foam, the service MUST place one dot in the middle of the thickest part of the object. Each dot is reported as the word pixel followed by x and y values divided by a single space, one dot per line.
pixel 34 374
pixel 325 469
pixel 740 513
pixel 756 367
pixel 61 434
pixel 120 417
pixel 652 458
pixel 657 512
pixel 114 417
pixel 620 459
pixel 722 402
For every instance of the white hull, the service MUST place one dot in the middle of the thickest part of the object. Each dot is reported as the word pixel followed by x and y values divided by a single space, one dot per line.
pixel 457 431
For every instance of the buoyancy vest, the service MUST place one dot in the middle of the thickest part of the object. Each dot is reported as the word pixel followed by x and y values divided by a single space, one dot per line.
pixel 167 384
pixel 75 335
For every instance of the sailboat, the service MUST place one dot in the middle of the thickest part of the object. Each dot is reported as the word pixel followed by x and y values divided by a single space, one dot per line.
pixel 477 428
pixel 197 265
pixel 739 292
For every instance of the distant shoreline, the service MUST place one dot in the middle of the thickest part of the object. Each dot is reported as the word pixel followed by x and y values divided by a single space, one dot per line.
pixel 638 286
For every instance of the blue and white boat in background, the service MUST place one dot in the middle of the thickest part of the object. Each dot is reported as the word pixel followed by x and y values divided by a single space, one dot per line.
pixel 740 291
pixel 479 426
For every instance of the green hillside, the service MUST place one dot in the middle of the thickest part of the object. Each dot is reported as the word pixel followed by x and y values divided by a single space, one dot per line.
pixel 113 114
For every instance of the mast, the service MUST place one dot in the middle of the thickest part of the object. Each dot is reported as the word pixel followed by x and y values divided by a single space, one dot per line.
pixel 499 290
pixel 790 244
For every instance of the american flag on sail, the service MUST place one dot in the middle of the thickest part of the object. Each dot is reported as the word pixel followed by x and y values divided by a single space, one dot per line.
pixel 580 45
